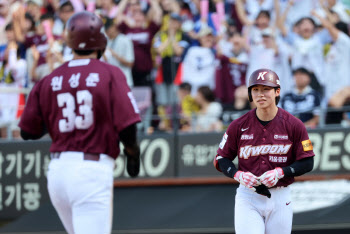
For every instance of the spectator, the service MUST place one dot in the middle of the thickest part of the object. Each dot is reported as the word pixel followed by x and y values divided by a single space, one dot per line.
pixel 120 50
pixel 334 11
pixel 4 15
pixel 186 109
pixel 65 11
pixel 303 102
pixel 307 49
pixel 337 70
pixel 208 118
pixel 253 28
pixel 141 33
pixel 170 45
pixel 108 8
pixel 11 38
pixel 271 54
pixel 240 106
pixel 294 10
pixel 231 72
pixel 169 7
pixel 225 43
pixel 12 75
pixel 199 62
pixel 254 8
pixel 34 9
pixel 42 41
pixel 189 107
pixel 23 24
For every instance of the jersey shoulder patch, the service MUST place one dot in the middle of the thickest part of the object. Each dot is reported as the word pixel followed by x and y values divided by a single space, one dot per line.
pixel 307 145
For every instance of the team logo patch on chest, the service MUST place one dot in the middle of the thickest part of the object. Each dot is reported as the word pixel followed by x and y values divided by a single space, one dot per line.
pixel 248 150
pixel 280 137
pixel 247 137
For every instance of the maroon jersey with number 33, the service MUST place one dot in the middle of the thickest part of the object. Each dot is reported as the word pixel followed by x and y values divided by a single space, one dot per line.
pixel 261 148
pixel 84 104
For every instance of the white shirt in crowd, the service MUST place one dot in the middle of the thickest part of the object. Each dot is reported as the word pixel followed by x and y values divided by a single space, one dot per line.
pixel 123 46
pixel 9 100
pixel 308 53
pixel 262 57
pixel 205 121
pixel 199 68
pixel 337 66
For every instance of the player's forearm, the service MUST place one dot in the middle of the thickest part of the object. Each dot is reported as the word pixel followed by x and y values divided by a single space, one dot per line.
pixel 227 167
pixel 128 137
pixel 28 136
pixel 299 167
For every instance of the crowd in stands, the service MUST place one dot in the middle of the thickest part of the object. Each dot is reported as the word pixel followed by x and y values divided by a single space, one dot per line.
pixel 193 56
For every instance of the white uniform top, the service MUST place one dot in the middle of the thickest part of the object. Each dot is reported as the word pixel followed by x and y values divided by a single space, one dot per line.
pixel 337 69
pixel 123 46
pixel 199 68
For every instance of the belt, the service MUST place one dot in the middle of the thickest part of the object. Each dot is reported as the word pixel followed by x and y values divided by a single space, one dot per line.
pixel 87 156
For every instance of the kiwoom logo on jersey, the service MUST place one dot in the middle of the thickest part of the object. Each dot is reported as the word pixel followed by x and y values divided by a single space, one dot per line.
pixel 248 150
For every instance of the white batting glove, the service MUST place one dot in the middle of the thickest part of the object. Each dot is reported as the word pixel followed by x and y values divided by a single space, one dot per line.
pixel 247 179
pixel 271 177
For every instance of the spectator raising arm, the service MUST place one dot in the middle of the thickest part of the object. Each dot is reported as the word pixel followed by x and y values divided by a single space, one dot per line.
pixel 242 14
pixel 156 12
pixel 333 31
pixel 281 19
pixel 120 13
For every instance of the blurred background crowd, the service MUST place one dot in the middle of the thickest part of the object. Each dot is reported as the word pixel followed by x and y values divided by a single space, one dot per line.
pixel 188 61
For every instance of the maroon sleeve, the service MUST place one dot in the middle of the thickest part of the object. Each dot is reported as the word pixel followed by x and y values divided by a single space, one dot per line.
pixel 223 59
pixel 303 146
pixel 28 42
pixel 123 27
pixel 31 120
pixel 153 29
pixel 125 111
pixel 228 146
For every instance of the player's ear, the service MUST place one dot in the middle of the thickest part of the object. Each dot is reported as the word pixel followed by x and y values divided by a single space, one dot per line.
pixel 277 98
pixel 277 91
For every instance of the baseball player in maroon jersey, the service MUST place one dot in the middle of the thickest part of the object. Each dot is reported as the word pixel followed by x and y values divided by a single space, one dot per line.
pixel 272 147
pixel 87 108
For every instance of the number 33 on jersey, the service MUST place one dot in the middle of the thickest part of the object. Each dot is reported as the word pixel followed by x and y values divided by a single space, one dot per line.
pixel 82 102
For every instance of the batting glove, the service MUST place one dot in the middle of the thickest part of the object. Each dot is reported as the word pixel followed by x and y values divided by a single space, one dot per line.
pixel 271 177
pixel 247 179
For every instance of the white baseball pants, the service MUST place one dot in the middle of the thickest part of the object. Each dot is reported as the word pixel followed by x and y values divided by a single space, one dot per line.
pixel 82 192
pixel 257 214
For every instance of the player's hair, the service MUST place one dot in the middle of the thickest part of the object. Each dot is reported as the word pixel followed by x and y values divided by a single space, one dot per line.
pixel 343 27
pixel 277 99
pixel 88 52
pixel 31 19
pixel 303 71
pixel 306 18
pixel 264 13
pixel 47 16
pixel 9 27
pixel 185 86
pixel 207 93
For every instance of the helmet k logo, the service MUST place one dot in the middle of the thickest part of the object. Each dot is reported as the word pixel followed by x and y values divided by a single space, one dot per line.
pixel 261 75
